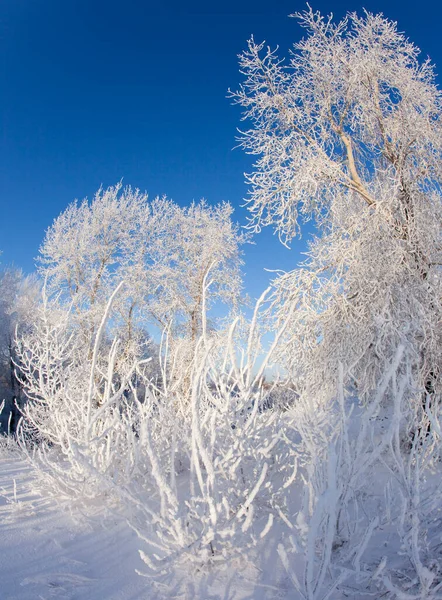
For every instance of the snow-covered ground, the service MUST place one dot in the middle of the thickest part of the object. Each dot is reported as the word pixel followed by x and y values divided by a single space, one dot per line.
pixel 53 551
pixel 47 552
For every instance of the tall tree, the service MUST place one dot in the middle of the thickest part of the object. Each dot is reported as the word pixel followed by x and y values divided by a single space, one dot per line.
pixel 349 132
pixel 88 250
pixel 191 245
pixel 164 253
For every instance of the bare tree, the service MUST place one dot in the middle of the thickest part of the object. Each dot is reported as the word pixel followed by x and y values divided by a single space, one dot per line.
pixel 188 244
pixel 349 132
pixel 87 252
pixel 162 251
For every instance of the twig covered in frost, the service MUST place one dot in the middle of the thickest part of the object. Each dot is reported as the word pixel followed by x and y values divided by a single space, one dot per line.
pixel 76 405
pixel 229 437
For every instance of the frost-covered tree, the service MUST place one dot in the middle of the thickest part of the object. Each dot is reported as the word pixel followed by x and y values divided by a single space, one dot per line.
pixel 163 253
pixel 19 296
pixel 349 132
pixel 89 249
pixel 193 262
pixel 189 245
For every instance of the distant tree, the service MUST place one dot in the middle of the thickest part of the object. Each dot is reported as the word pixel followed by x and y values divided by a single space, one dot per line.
pixel 19 296
pixel 191 244
pixel 164 253
pixel 89 249
pixel 349 132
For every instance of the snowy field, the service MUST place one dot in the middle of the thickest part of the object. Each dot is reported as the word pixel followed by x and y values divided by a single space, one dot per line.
pixel 47 552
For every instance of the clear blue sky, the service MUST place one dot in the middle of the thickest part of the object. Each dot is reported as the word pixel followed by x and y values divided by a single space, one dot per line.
pixel 96 91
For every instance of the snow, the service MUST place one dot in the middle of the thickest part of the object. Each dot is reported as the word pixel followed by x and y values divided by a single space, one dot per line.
pixel 47 553
pixel 55 550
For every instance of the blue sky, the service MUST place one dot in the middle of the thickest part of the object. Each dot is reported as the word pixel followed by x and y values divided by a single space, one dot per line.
pixel 97 91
